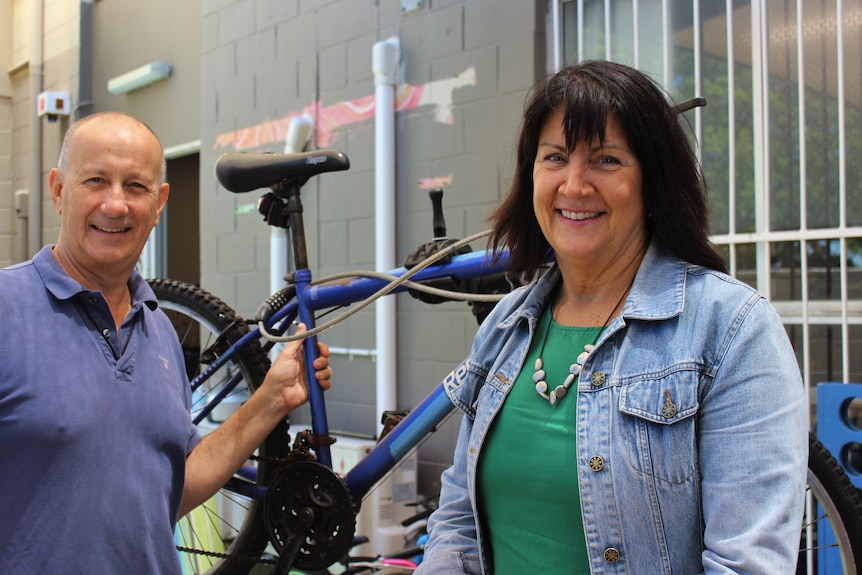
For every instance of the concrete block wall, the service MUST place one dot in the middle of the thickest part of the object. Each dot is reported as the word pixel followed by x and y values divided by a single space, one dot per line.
pixel 265 61
pixel 7 196
pixel 59 69
pixel 7 216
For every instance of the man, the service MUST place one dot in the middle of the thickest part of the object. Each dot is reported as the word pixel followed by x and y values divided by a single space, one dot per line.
pixel 98 456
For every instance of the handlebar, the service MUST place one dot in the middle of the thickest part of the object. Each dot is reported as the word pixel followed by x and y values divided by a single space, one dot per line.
pixel 498 283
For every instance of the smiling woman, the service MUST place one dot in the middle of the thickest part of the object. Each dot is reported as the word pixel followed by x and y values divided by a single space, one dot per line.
pixel 683 367
pixel 589 206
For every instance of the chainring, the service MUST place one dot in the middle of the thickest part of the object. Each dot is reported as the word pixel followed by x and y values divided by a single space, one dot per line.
pixel 312 486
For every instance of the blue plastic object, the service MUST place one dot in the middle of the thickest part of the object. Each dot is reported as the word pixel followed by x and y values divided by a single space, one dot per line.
pixel 838 429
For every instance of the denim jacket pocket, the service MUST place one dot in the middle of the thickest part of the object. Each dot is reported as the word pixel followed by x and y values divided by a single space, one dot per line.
pixel 659 425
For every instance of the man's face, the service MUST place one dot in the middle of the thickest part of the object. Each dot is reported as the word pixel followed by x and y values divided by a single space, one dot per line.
pixel 109 197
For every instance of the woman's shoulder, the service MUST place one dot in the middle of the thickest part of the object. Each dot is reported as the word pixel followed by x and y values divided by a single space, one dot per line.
pixel 720 283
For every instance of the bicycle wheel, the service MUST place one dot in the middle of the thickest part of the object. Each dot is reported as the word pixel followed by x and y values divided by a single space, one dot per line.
pixel 832 532
pixel 226 535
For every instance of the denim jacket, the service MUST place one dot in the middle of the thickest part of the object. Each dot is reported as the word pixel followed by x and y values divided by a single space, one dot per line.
pixel 691 430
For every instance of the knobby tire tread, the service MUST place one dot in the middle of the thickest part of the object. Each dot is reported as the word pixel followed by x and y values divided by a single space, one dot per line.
pixel 253 362
pixel 843 494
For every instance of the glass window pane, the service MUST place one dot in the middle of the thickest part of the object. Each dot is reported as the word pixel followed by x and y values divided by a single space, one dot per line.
pixel 854 270
pixel 651 38
pixel 681 75
pixel 821 114
pixel 724 249
pixel 825 353
pixel 855 337
pixel 744 118
pixel 623 32
pixel 594 30
pixel 785 272
pixel 824 269
pixel 570 32
pixel 715 138
pixel 852 27
pixel 783 132
pixel 746 263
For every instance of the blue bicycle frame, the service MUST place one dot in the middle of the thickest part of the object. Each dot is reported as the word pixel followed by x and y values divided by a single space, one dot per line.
pixel 423 418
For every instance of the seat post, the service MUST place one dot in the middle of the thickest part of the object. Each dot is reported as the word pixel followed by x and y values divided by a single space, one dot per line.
pixel 297 227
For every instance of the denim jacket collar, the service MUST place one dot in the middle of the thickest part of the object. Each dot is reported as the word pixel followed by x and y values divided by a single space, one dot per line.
pixel 658 291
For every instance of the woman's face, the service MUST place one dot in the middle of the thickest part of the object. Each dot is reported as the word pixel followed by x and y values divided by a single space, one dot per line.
pixel 589 203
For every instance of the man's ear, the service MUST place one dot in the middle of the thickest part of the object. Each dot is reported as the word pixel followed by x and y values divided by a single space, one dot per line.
pixel 164 192
pixel 55 184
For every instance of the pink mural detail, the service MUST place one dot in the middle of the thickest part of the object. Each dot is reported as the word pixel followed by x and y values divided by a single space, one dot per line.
pixel 435 182
pixel 328 119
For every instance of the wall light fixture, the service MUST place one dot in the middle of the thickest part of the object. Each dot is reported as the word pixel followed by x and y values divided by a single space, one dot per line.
pixel 139 77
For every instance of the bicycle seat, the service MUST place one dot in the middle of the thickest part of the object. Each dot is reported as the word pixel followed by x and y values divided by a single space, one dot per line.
pixel 242 172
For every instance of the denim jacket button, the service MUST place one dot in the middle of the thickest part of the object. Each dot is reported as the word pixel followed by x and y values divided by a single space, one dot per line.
pixel 612 555
pixel 597 463
pixel 598 378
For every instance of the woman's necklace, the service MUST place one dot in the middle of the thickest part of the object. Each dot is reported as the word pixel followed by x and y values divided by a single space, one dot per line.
pixel 575 369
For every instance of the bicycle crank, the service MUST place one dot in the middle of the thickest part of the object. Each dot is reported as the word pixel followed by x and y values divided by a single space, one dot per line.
pixel 309 513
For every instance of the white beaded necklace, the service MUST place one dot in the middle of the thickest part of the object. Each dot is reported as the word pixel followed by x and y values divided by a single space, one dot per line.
pixel 575 369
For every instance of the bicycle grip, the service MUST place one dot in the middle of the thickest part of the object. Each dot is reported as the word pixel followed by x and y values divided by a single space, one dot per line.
pixel 438 221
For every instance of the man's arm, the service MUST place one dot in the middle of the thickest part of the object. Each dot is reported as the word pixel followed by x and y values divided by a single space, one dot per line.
pixel 219 454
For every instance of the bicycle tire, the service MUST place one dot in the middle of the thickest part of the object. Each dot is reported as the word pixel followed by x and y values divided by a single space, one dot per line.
pixel 207 541
pixel 840 508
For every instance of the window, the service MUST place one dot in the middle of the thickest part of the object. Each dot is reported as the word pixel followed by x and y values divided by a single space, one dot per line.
pixel 780 142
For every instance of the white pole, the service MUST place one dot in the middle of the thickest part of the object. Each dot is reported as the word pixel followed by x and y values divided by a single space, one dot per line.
pixel 385 58
pixel 34 176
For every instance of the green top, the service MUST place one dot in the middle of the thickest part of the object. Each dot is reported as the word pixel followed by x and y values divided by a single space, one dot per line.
pixel 528 477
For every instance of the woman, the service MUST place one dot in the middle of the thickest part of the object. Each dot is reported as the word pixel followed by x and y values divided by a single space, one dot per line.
pixel 635 410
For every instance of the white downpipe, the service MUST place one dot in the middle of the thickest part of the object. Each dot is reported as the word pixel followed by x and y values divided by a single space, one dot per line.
pixel 34 177
pixel 385 58
pixel 298 136
pixel 557 36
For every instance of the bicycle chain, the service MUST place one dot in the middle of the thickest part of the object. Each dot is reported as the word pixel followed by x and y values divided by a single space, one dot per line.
pixel 293 456
pixel 270 459
pixel 245 558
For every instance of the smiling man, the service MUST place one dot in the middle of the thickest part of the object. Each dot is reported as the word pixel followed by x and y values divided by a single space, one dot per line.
pixel 98 454
pixel 109 189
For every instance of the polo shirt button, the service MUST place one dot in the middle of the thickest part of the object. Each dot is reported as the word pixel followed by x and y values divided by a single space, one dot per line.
pixel 92 301
pixel 598 378
pixel 597 463
pixel 612 555
pixel 106 333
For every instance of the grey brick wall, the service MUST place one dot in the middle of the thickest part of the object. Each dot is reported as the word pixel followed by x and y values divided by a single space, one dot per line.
pixel 7 196
pixel 264 61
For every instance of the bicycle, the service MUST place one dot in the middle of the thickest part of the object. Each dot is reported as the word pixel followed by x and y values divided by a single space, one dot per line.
pixel 288 508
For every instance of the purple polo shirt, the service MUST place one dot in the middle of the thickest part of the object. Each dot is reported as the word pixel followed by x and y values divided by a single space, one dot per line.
pixel 94 427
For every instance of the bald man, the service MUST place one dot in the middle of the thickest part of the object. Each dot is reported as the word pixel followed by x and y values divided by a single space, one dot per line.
pixel 98 455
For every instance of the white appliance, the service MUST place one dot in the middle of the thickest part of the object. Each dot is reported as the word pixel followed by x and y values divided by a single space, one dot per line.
pixel 389 502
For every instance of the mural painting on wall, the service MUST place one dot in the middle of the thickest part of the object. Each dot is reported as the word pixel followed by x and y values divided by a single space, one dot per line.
pixel 328 119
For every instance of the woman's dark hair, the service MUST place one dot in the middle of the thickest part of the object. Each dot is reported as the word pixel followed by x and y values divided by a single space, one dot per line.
pixel 674 190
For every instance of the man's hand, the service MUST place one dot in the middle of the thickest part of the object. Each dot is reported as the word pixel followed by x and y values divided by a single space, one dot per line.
pixel 220 453
pixel 286 377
